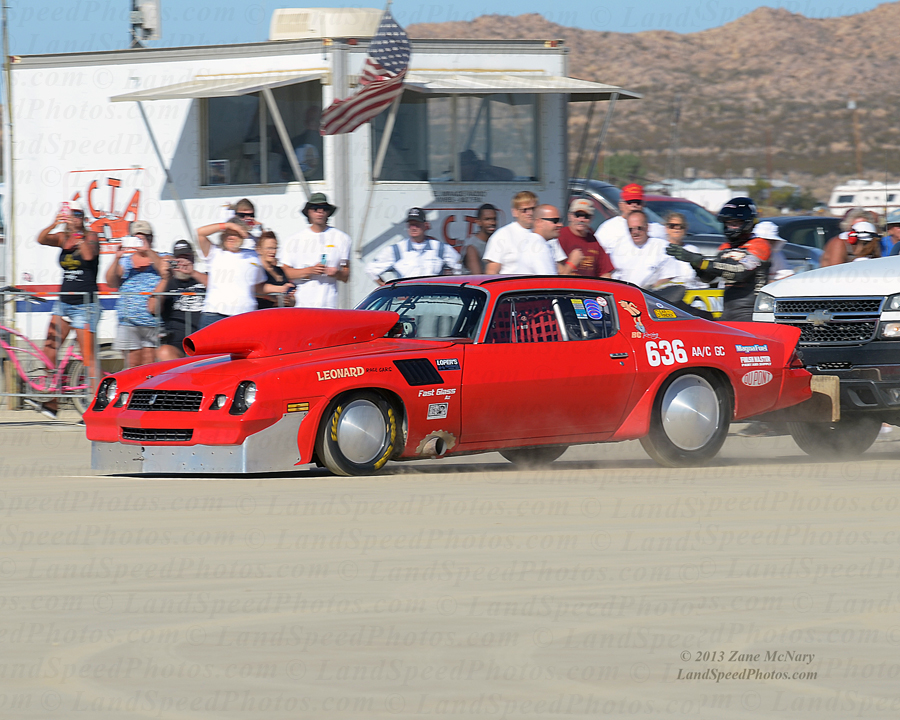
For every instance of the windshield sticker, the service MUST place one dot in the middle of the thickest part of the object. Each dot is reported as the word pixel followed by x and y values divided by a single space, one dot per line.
pixel 601 301
pixel 340 373
pixel 594 309
pixel 752 360
pixel 664 314
pixel 751 348
pixel 756 378
pixel 578 306
pixel 438 411
pixel 448 364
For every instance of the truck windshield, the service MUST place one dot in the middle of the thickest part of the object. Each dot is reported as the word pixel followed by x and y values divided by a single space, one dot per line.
pixel 430 311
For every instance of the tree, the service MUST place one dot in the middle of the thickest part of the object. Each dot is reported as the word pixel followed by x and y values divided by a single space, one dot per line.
pixel 623 168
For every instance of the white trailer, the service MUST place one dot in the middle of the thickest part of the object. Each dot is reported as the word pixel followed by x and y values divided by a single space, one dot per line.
pixel 174 135
pixel 881 198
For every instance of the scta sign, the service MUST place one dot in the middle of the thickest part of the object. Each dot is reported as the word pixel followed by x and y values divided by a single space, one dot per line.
pixel 111 199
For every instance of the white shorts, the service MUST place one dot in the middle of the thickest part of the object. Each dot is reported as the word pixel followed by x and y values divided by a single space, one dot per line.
pixel 134 337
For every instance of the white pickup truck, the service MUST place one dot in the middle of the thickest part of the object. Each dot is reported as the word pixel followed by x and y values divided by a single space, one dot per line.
pixel 849 317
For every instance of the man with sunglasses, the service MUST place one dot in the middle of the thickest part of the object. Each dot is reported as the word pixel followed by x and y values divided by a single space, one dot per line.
pixel 615 230
pixel 505 244
pixel 641 259
pixel 318 257
pixel 585 256
pixel 538 252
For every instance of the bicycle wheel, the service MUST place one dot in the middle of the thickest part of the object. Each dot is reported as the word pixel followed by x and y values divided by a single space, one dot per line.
pixel 34 377
pixel 75 385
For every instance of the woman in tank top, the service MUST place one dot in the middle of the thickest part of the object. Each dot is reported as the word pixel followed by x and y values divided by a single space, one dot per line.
pixel 77 307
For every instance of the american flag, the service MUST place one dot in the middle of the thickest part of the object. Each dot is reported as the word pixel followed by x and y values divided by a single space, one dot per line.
pixel 381 80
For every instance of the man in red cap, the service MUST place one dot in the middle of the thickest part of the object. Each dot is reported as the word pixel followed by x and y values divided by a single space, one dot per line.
pixel 615 230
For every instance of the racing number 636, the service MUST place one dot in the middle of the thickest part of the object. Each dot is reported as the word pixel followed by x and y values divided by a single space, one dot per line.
pixel 665 353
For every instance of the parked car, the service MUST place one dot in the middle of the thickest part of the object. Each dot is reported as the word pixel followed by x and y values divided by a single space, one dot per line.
pixel 807 230
pixel 430 367
pixel 848 318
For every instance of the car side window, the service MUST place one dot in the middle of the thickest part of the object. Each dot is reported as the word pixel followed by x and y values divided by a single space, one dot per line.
pixel 554 317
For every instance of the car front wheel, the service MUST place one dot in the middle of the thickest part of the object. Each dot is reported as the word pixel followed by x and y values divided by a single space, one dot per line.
pixel 358 434
pixel 849 437
pixel 690 419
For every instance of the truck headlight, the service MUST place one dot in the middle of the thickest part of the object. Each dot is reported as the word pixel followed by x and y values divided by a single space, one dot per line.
pixel 764 303
pixel 890 330
pixel 244 397
pixel 893 303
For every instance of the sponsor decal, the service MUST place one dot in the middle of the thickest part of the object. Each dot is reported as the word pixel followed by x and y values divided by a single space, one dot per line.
pixel 635 313
pixel 439 391
pixel 666 353
pixel 752 360
pixel 664 314
pixel 448 364
pixel 594 309
pixel 298 407
pixel 751 348
pixel 438 411
pixel 340 373
pixel 756 378
pixel 579 308
pixel 601 301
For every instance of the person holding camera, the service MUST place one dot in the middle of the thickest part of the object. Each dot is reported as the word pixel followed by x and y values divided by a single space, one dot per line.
pixel 182 304
pixel 267 249
pixel 135 272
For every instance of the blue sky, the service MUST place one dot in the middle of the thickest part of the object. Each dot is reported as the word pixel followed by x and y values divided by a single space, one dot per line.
pixel 53 26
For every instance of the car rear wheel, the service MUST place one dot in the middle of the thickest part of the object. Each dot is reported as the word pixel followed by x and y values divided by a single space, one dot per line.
pixel 851 436
pixel 533 457
pixel 690 420
pixel 358 434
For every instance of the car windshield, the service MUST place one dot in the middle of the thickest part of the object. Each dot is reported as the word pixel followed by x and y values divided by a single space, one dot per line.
pixel 430 311
pixel 700 220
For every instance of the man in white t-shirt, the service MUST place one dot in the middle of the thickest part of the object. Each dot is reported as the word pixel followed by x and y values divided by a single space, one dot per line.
pixel 615 230
pixel 503 246
pixel 416 255
pixel 317 258
pixel 641 259
pixel 538 252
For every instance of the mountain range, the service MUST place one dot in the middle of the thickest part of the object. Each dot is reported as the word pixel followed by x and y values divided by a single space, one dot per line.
pixel 768 93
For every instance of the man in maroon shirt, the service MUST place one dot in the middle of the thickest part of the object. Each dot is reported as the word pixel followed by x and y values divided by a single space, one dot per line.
pixel 577 239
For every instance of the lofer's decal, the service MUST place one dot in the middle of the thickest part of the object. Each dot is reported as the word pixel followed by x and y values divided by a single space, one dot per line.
pixel 448 364
pixel 635 313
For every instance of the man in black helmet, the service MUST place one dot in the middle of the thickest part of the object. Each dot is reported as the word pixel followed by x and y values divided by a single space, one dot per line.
pixel 742 262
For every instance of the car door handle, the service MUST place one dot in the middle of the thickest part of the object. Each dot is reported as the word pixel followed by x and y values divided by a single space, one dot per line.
pixel 618 356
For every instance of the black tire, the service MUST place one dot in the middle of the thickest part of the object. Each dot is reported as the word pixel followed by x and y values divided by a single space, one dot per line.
pixel 359 433
pixel 849 437
pixel 535 456
pixel 694 430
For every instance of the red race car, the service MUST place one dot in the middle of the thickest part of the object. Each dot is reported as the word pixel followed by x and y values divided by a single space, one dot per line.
pixel 437 366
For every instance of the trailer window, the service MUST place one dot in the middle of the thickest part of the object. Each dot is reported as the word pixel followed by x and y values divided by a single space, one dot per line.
pixel 460 138
pixel 242 143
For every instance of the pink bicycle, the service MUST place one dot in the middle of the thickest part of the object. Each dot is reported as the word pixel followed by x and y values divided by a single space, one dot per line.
pixel 39 379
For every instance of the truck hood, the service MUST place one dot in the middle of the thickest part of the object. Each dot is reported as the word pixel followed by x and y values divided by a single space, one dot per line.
pixel 867 277
pixel 280 331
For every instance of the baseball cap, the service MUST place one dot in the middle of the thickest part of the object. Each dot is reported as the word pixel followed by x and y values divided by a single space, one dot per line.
pixel 183 249
pixel 140 227
pixel 580 204
pixel 632 191
pixel 416 215
pixel 893 218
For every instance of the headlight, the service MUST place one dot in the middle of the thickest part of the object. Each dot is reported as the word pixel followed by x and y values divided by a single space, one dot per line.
pixel 890 330
pixel 764 303
pixel 106 393
pixel 219 402
pixel 244 397
pixel 122 401
pixel 893 303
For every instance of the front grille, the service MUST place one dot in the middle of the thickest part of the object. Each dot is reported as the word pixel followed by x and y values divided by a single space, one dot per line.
pixel 834 366
pixel 155 435
pixel 846 333
pixel 867 306
pixel 831 321
pixel 177 400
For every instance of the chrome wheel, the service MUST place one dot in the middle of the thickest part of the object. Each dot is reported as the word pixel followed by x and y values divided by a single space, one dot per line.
pixel 360 431
pixel 690 412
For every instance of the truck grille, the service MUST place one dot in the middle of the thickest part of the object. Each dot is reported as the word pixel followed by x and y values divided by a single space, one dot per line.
pixel 156 435
pixel 831 321
pixel 178 400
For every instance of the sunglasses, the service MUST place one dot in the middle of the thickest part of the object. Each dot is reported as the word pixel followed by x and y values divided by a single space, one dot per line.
pixel 640 228
pixel 583 215
pixel 553 219
pixel 675 226
pixel 634 202
pixel 78 213
pixel 245 214
pixel 323 208
pixel 528 209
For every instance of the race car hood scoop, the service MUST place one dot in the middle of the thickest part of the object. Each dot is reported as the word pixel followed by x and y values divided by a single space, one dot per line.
pixel 279 331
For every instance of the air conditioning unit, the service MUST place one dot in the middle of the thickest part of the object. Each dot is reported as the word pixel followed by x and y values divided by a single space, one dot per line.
pixel 311 23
